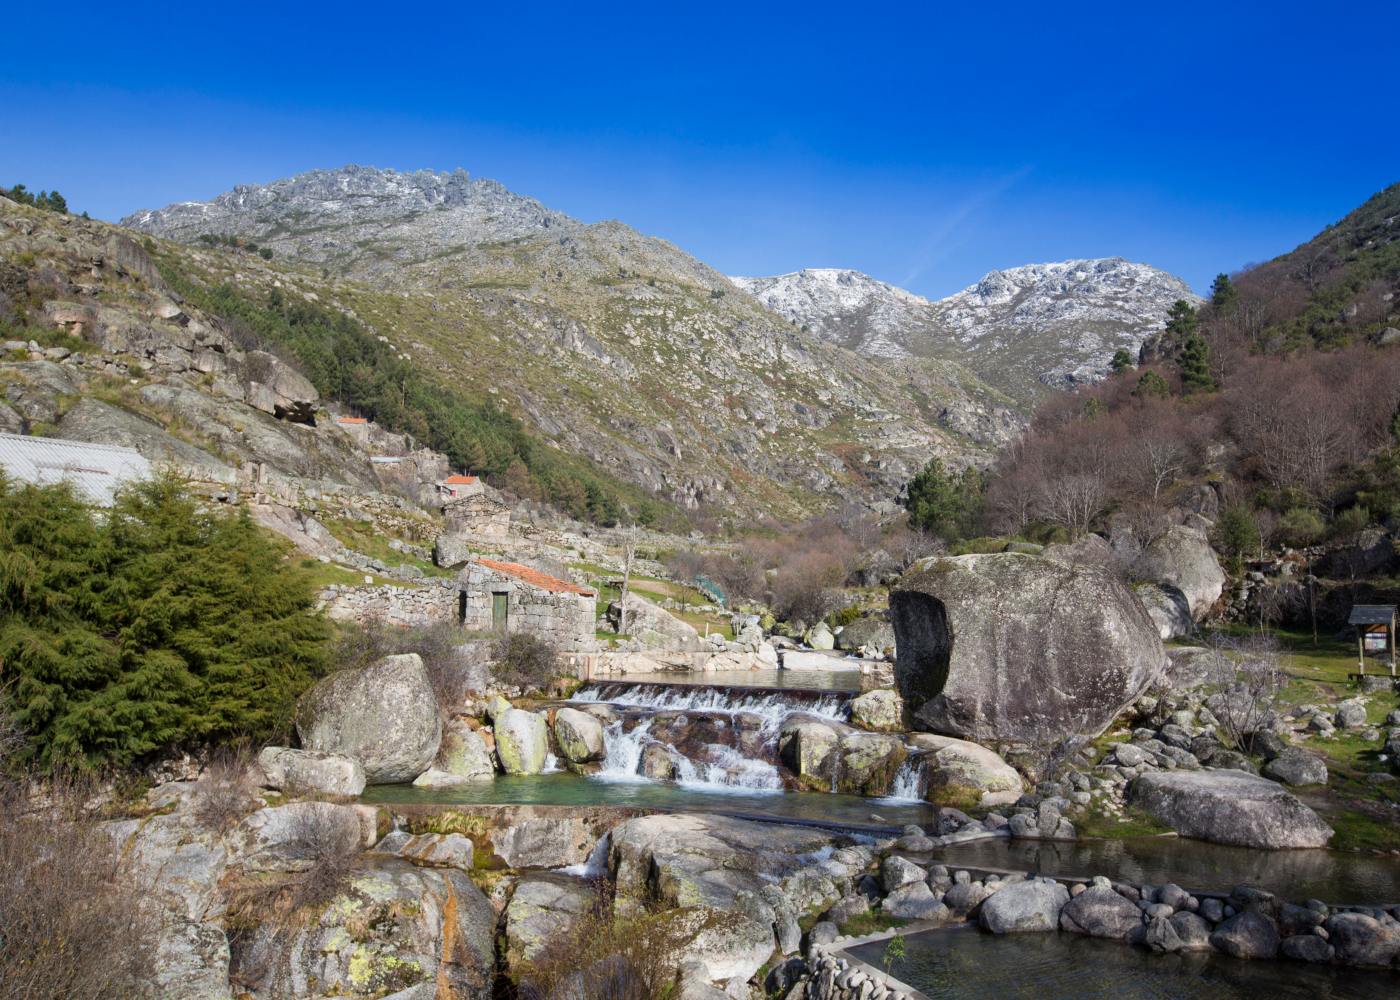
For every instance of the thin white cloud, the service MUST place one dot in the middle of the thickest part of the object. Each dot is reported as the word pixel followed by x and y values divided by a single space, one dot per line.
pixel 935 245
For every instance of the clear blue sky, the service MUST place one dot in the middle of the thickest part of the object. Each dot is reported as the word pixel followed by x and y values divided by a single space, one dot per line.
pixel 922 145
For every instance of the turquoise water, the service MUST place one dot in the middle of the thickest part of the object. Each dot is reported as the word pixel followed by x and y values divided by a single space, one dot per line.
pixel 1332 876
pixel 570 789
pixel 965 964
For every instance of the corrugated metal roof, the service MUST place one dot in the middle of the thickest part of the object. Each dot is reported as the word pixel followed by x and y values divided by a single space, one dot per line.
pixel 1371 614
pixel 94 470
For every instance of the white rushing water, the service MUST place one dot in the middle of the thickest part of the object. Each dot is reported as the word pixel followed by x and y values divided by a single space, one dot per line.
pixel 597 863
pixel 721 768
pixel 908 782
pixel 773 707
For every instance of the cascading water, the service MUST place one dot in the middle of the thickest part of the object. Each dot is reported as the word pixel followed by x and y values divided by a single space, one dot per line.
pixel 718 767
pixel 771 706
pixel 908 784
pixel 597 863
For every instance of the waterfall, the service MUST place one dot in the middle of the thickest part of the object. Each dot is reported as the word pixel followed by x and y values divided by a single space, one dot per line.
pixel 908 782
pixel 551 764
pixel 719 767
pixel 622 758
pixel 597 863
pixel 772 706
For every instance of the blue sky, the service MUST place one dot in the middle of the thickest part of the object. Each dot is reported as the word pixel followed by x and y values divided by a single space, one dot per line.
pixel 923 144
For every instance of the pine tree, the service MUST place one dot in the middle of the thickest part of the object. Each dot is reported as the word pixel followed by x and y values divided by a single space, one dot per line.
pixel 1122 361
pixel 1223 293
pixel 1194 364
pixel 160 624
pixel 1181 321
pixel 941 502
pixel 1152 384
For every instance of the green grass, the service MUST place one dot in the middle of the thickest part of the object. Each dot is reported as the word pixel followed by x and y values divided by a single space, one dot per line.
pixel 364 539
pixel 1091 822
pixel 326 574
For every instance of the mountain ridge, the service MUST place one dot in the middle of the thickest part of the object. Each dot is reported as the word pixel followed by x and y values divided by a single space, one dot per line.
pixel 1023 329
pixel 617 346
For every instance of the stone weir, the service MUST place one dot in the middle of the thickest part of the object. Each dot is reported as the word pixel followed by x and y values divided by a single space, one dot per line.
pixel 703 736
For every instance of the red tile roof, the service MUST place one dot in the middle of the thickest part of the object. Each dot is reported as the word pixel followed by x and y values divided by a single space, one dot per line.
pixel 351 420
pixel 536 579
pixel 456 480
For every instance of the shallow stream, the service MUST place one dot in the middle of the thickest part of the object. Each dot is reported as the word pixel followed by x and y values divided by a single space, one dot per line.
pixel 965 964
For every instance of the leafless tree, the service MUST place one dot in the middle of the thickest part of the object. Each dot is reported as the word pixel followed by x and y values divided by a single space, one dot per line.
pixel 1248 678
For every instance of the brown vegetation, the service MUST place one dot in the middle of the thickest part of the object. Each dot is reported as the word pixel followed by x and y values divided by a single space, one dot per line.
pixel 73 916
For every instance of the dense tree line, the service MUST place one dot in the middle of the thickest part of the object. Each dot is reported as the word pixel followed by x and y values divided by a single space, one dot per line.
pixel 160 623
pixel 49 200
pixel 347 363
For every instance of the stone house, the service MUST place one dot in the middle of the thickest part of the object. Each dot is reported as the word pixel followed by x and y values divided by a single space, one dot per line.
pixel 512 597
pixel 456 486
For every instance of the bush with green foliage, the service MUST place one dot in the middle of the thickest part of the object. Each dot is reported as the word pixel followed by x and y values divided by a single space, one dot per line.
pixel 1300 527
pixel 1152 385
pixel 1237 532
pixel 1121 362
pixel 159 624
pixel 346 362
pixel 942 502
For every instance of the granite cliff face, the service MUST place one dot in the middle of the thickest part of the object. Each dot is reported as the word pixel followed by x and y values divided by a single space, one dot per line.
pixel 616 346
pixel 1023 329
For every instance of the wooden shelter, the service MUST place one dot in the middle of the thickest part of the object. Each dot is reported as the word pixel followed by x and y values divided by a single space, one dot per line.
pixel 1375 633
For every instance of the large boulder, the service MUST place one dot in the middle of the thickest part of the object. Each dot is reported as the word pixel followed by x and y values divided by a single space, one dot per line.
pixel 1101 912
pixel 1017 647
pixel 1246 935
pixel 872 633
pixel 384 715
pixel 305 771
pixel 960 772
pixel 579 735
pixel 1295 766
pixel 653 626
pixel 1229 807
pixel 867 763
pixel 805 745
pixel 819 637
pixel 1181 557
pixel 1168 608
pixel 1030 905
pixel 464 754
pixel 522 742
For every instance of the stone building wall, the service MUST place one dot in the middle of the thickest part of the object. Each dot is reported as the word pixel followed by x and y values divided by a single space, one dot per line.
pixel 432 604
pixel 566 619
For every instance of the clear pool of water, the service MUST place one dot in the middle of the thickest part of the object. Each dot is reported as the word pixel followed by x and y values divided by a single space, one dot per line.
pixel 965 964
pixel 1333 876
pixel 570 789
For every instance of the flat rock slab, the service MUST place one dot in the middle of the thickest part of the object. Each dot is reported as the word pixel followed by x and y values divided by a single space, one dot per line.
pixel 1229 807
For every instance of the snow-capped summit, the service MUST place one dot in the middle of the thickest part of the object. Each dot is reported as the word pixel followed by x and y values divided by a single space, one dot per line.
pixel 1020 328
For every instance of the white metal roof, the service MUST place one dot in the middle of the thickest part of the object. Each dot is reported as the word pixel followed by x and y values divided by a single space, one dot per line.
pixel 94 470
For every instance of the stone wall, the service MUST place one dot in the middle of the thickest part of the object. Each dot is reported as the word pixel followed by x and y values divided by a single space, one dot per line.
pixel 431 604
pixel 844 978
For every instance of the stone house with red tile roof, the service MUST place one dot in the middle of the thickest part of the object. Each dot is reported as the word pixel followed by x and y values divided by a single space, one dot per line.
pixel 457 486
pixel 513 597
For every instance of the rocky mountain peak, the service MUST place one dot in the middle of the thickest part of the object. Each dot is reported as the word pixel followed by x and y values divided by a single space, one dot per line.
pixel 360 200
pixel 1020 328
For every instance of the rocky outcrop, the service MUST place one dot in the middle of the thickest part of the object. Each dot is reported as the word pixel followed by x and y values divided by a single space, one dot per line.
pixel 806 745
pixel 1018 647
pixel 1229 807
pixel 384 715
pixel 522 742
pixel 1183 558
pixel 1101 912
pixel 463 755
pixel 958 771
pixel 306 771
pixel 652 626
pixel 866 763
pixel 394 925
